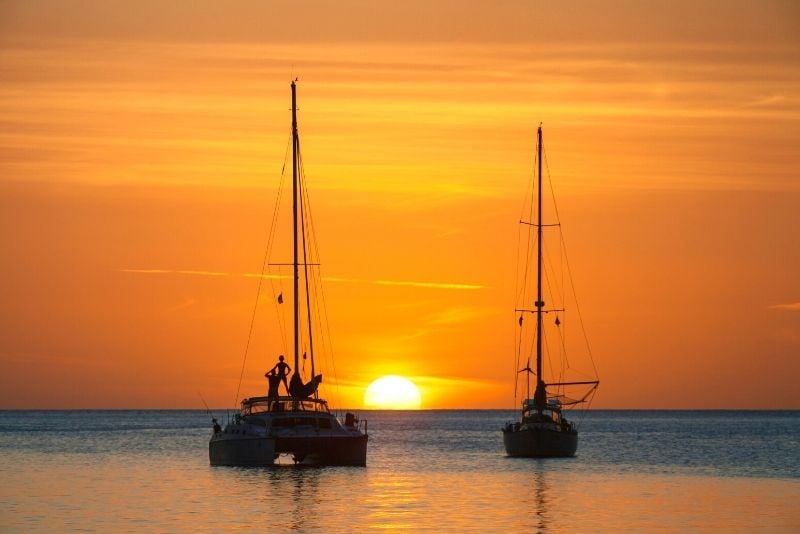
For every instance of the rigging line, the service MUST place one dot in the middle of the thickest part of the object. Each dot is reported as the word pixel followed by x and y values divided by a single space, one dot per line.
pixel 305 261
pixel 523 210
pixel 562 251
pixel 312 292
pixel 280 316
pixel 323 316
pixel 274 226
pixel 517 298
pixel 561 269
pixel 317 290
pixel 548 289
pixel 552 288
pixel 326 349
pixel 546 350
pixel 528 189
pixel 521 291
pixel 330 339
pixel 585 411
pixel 323 349
pixel 562 334
pixel 550 182
pixel 558 297
pixel 569 269
pixel 528 287
pixel 524 292
pixel 250 330
pixel 532 349
pixel 314 253
pixel 518 336
pixel 270 239
pixel 562 331
pixel 529 250
pixel 578 309
pixel 519 294
pixel 324 319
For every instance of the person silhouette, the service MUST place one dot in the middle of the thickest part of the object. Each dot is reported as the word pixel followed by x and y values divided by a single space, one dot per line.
pixel 274 381
pixel 283 371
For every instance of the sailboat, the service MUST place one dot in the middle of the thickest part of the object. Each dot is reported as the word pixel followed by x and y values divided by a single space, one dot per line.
pixel 299 424
pixel 543 429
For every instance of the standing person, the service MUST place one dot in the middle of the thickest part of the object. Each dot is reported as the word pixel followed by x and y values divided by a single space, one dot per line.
pixel 283 371
pixel 274 381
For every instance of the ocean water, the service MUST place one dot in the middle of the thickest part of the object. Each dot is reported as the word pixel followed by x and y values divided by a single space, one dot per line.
pixel 148 471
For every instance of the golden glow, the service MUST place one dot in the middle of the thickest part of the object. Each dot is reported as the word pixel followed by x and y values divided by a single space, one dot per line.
pixel 418 125
pixel 392 392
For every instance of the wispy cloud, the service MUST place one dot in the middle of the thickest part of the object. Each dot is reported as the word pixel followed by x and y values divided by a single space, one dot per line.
pixel 458 315
pixel 183 305
pixel 408 283
pixel 792 306
pixel 439 285
pixel 361 380
pixel 171 271
pixel 440 382
pixel 770 100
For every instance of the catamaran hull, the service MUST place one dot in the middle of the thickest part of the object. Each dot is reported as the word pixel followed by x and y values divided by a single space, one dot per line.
pixel 329 450
pixel 259 452
pixel 540 443
pixel 241 451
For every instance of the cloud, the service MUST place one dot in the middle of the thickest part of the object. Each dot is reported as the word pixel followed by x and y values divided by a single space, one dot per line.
pixel 411 283
pixel 169 271
pixel 767 101
pixel 792 306
pixel 458 315
pixel 361 380
pixel 449 383
pixel 438 285
pixel 182 305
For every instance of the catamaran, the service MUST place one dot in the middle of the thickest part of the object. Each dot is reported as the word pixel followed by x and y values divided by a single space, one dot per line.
pixel 299 424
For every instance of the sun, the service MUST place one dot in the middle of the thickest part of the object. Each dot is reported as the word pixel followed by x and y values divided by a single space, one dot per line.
pixel 392 393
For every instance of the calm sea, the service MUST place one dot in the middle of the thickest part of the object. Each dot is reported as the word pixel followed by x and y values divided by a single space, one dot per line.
pixel 144 471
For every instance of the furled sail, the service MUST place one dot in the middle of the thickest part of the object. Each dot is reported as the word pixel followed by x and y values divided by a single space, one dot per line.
pixel 298 389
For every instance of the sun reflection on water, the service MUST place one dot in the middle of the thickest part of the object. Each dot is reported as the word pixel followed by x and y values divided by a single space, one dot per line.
pixel 426 472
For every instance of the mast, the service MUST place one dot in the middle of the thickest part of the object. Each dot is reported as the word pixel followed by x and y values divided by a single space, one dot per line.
pixel 540 397
pixel 294 232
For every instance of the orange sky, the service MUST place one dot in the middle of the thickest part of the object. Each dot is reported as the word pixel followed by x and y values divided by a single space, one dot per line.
pixel 150 137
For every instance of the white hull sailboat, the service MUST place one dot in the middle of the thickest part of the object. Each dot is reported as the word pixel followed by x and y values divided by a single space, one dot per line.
pixel 299 424
pixel 543 430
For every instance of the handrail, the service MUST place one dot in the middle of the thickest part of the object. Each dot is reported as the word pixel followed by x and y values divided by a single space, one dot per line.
pixel 284 399
pixel 256 405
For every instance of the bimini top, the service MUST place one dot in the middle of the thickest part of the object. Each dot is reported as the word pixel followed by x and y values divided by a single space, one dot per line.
pixel 255 405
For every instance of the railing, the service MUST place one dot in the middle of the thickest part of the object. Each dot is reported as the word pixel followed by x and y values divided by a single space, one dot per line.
pixel 351 421
pixel 256 405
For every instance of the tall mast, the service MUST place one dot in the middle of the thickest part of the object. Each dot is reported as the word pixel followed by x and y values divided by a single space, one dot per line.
pixel 540 397
pixel 294 226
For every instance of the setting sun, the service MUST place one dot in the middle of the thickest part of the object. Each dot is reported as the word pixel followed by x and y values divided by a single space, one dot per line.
pixel 392 393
